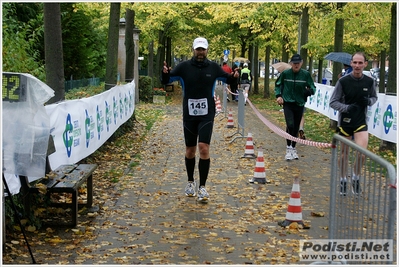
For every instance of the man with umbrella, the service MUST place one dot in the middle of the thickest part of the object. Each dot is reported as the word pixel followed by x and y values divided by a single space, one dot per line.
pixel 341 57
pixel 347 69
pixel 293 86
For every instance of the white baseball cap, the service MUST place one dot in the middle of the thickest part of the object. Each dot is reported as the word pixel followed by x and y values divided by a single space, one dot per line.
pixel 200 42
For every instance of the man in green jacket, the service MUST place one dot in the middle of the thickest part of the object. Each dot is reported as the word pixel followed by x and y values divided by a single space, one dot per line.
pixel 293 86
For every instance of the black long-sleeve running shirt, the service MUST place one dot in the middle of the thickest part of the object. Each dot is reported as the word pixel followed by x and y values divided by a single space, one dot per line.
pixel 198 80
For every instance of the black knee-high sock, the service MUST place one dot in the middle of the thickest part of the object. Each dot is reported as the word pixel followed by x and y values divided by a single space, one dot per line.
pixel 190 165
pixel 203 167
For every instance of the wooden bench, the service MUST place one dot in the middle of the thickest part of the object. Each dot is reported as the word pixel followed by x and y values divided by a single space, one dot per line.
pixel 169 87
pixel 64 179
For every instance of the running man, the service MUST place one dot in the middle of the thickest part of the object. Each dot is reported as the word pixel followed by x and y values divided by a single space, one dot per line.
pixel 198 78
pixel 352 94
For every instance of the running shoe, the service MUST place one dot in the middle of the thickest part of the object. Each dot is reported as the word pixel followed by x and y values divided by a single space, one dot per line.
pixel 203 195
pixel 342 190
pixel 293 153
pixel 288 154
pixel 356 187
pixel 190 189
pixel 302 135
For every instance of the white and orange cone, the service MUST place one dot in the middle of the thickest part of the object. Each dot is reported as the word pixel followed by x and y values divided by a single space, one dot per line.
pixel 249 148
pixel 230 120
pixel 218 105
pixel 294 210
pixel 259 172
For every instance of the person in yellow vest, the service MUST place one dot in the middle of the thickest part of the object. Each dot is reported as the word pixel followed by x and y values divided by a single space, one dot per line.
pixel 246 80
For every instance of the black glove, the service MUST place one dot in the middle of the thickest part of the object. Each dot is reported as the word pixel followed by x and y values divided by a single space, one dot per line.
pixel 307 93
pixel 363 101
pixel 352 107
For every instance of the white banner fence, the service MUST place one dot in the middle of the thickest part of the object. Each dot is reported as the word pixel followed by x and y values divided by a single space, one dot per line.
pixel 79 127
pixel 381 117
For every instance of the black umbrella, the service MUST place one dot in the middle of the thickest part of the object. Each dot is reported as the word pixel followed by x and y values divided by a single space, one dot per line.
pixel 341 57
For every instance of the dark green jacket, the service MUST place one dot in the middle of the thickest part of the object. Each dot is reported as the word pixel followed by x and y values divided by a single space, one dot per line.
pixel 292 86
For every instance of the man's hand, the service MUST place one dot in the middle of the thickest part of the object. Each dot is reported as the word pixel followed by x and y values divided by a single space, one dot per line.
pixel 280 100
pixel 352 107
pixel 363 101
pixel 307 93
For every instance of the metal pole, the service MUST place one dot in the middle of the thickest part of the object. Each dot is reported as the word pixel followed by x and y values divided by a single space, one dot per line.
pixel 240 115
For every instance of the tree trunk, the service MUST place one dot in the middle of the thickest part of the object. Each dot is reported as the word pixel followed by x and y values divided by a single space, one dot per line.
pixel 53 51
pixel 255 71
pixel 129 44
pixel 320 71
pixel 338 46
pixel 251 56
pixel 150 65
pixel 111 68
pixel 310 65
pixel 169 51
pixel 391 84
pixel 304 36
pixel 381 86
pixel 338 43
pixel 160 53
pixel 284 54
pixel 266 91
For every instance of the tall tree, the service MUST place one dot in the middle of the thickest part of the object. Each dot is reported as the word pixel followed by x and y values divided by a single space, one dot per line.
pixel 338 42
pixel 266 91
pixel 304 36
pixel 338 45
pixel 150 66
pixel 391 84
pixel 112 48
pixel 53 51
pixel 129 68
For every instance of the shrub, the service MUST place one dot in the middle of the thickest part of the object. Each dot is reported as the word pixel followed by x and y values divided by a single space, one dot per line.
pixel 159 91
pixel 145 89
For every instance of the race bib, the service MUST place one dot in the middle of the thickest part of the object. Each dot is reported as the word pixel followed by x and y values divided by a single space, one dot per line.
pixel 198 107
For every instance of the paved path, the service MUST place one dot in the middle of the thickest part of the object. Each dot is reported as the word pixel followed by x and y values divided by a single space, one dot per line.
pixel 154 223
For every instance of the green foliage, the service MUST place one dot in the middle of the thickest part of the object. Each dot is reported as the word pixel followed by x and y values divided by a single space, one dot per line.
pixel 10 215
pixel 20 39
pixel 84 45
pixel 32 219
pixel 145 89
pixel 83 92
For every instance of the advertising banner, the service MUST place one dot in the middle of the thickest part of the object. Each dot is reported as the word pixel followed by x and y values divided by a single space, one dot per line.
pixel 79 127
pixel 381 117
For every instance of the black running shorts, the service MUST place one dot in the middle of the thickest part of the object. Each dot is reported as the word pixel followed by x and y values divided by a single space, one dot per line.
pixel 200 131
pixel 349 131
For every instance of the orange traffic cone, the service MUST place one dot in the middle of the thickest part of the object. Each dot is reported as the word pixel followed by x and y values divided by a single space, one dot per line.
pixel 249 148
pixel 218 105
pixel 230 120
pixel 294 211
pixel 259 173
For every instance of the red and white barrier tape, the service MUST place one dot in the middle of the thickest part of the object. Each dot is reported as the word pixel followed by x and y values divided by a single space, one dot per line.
pixel 228 91
pixel 283 133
